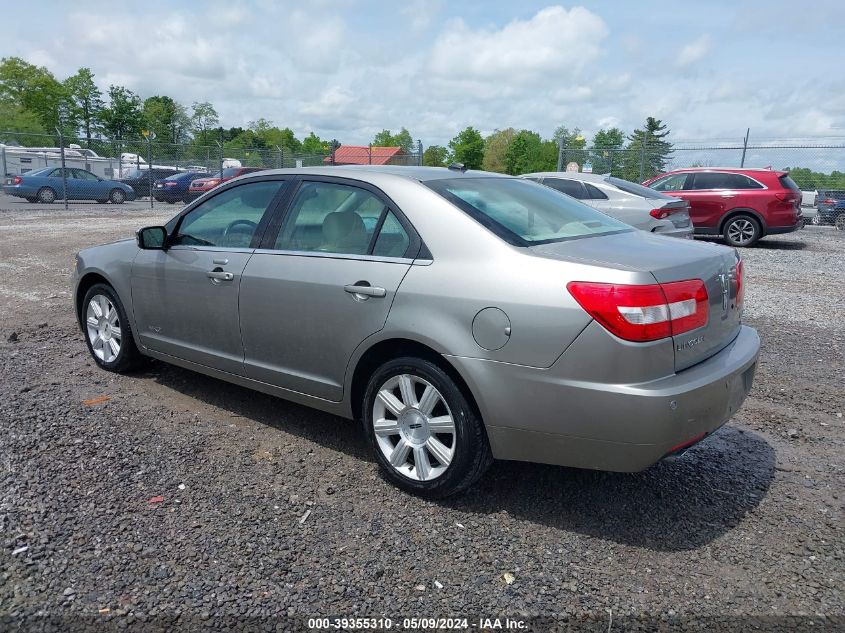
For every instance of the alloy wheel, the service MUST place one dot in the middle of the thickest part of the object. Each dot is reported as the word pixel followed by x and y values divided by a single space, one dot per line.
pixel 117 196
pixel 414 427
pixel 741 231
pixel 103 325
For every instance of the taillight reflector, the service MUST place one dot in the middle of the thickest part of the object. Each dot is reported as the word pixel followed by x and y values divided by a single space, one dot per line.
pixel 17 180
pixel 644 313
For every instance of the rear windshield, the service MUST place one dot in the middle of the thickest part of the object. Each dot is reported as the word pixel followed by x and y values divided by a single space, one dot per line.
pixel 787 183
pixel 524 213
pixel 182 175
pixel 635 189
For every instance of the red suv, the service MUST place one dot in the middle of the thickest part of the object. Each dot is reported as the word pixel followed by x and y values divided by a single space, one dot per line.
pixel 201 185
pixel 741 205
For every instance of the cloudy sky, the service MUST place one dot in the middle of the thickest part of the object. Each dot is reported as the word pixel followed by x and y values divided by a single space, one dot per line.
pixel 348 68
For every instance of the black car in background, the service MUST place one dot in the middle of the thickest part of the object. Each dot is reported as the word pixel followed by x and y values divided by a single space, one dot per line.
pixel 141 179
pixel 175 188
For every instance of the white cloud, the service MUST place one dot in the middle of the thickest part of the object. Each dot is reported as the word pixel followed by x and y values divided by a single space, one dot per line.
pixel 694 51
pixel 553 44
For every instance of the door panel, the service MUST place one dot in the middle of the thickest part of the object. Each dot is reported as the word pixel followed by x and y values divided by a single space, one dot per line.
pixel 300 324
pixel 181 311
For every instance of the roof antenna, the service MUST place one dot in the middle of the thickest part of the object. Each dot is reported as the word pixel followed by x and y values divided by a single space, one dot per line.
pixel 458 167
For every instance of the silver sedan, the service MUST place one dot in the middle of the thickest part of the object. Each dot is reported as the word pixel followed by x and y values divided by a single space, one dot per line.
pixel 634 204
pixel 461 316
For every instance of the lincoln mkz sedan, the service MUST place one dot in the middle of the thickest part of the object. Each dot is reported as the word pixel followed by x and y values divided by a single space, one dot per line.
pixel 462 316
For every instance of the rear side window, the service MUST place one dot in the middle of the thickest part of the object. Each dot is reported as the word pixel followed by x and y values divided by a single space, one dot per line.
pixel 570 187
pixel 392 239
pixel 672 182
pixel 720 180
pixel 634 189
pixel 594 192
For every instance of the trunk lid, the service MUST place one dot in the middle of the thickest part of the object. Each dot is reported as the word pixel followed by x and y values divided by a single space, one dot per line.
pixel 669 259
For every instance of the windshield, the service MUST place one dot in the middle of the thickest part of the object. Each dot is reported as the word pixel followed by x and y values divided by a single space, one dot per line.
pixel 524 213
pixel 635 189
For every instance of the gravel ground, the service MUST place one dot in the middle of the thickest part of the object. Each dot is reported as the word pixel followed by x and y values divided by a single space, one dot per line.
pixel 186 502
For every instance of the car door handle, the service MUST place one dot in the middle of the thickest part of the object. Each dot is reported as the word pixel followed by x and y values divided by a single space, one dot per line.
pixel 365 291
pixel 729 195
pixel 219 275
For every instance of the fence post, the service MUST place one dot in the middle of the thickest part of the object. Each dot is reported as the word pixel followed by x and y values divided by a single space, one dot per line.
pixel 419 153
pixel 745 146
pixel 610 171
pixel 560 143
pixel 64 171
pixel 642 158
pixel 150 166
pixel 281 157
pixel 3 160
pixel 220 145
pixel 370 154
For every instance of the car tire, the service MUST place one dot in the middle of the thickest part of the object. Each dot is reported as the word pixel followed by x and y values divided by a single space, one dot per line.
pixel 46 195
pixel 107 331
pixel 839 222
pixel 816 220
pixel 414 454
pixel 117 196
pixel 742 230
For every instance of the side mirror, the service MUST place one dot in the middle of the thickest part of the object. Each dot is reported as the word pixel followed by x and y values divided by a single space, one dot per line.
pixel 152 238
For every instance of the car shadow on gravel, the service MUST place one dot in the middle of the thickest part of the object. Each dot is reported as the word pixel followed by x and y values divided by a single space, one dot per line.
pixel 675 505
pixel 780 245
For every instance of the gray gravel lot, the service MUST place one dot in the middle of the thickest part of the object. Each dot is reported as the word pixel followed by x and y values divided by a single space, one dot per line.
pixel 270 510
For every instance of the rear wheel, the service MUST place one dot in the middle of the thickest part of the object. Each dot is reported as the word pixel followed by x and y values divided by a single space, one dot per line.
pixel 117 196
pixel 742 230
pixel 426 436
pixel 107 330
pixel 816 219
pixel 46 195
pixel 840 222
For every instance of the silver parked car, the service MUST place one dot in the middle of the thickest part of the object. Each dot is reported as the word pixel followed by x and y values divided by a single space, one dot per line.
pixel 461 315
pixel 634 204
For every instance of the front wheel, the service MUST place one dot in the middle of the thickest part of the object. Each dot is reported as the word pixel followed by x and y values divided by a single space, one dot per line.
pixel 840 222
pixel 426 436
pixel 107 330
pixel 117 196
pixel 742 230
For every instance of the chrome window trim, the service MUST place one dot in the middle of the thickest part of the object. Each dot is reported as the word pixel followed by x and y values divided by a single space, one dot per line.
pixel 214 249
pixel 350 256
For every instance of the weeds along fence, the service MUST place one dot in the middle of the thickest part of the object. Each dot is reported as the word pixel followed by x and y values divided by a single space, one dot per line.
pixel 79 165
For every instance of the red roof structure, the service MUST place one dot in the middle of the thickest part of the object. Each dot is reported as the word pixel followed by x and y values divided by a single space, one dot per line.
pixel 363 155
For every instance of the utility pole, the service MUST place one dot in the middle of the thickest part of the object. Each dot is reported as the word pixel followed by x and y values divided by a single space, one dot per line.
pixel 560 143
pixel 745 146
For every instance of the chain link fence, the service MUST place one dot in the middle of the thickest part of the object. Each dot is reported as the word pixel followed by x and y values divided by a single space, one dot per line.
pixel 118 170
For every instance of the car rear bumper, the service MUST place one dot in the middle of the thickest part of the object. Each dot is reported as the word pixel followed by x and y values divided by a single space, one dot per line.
pixel 776 230
pixel 535 415
pixel 688 232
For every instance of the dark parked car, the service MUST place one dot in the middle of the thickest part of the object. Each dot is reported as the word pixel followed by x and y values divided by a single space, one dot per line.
pixel 741 205
pixel 830 206
pixel 141 179
pixel 175 188
pixel 47 185
pixel 202 185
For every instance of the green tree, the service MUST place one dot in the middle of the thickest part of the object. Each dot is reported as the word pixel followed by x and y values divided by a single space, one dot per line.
pixel 402 139
pixel 13 118
pixel 313 144
pixel 528 153
pixel 435 156
pixel 495 147
pixel 647 151
pixel 85 102
pixel 468 148
pixel 204 124
pixel 122 118
pixel 167 119
pixel 606 155
pixel 273 137
pixel 35 89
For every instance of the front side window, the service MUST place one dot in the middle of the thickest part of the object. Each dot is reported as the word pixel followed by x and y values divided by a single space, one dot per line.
pixel 673 182
pixel 331 218
pixel 523 214
pixel 81 174
pixel 229 219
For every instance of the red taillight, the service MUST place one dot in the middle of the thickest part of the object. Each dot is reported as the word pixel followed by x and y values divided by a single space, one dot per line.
pixel 829 201
pixel 644 313
pixel 740 282
pixel 660 214
pixel 17 180
pixel 787 196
